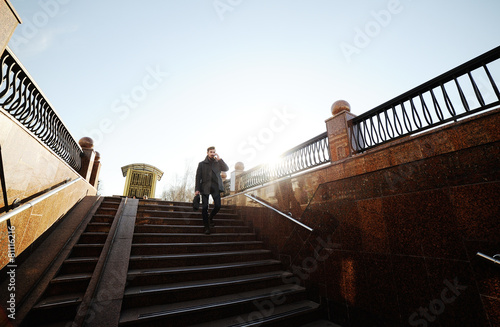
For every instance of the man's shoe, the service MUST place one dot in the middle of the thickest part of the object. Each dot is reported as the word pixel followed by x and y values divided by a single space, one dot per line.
pixel 207 230
pixel 211 222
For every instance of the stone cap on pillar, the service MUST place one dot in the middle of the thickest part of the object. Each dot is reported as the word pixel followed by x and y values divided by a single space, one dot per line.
pixel 340 106
pixel 239 166
pixel 86 143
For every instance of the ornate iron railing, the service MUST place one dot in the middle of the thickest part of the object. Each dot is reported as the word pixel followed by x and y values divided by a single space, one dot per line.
pixel 23 100
pixel 462 91
pixel 307 155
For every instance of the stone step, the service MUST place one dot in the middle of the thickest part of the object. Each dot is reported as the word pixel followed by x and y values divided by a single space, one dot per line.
pixel 54 309
pixel 78 265
pixel 177 248
pixel 190 229
pixel 106 211
pixel 86 250
pixel 137 277
pixel 199 311
pixel 67 284
pixel 93 237
pixel 181 214
pixel 181 207
pixel 192 259
pixel 267 313
pixel 150 295
pixel 186 221
pixel 100 218
pixel 98 227
pixel 191 237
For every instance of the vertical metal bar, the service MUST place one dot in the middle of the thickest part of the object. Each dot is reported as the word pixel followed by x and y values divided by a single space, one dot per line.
pixel 447 100
pixel 495 88
pixel 462 96
pixel 414 113
pixel 425 110
pixel 437 108
pixel 397 122
pixel 476 90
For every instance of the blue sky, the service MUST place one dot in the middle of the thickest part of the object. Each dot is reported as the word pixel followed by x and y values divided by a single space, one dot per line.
pixel 158 81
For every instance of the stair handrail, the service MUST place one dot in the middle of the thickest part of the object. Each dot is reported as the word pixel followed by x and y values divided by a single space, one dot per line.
pixel 276 210
pixel 31 203
pixel 491 259
pixel 2 182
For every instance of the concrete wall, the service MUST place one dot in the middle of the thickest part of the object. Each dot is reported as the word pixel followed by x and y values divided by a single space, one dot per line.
pixel 396 229
pixel 8 22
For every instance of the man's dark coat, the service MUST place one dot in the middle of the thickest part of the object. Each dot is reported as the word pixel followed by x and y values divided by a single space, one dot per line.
pixel 204 175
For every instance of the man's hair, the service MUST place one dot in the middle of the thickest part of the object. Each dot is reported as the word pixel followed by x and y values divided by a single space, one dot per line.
pixel 211 148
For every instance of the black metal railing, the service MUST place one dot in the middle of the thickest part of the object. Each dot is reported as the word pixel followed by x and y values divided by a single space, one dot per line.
pixel 23 100
pixel 462 91
pixel 307 155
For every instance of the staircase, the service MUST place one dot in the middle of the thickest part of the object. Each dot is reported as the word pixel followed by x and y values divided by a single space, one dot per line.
pixel 65 292
pixel 159 268
pixel 178 276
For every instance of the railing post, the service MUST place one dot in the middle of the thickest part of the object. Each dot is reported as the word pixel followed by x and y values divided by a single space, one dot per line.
pixel 239 168
pixel 96 168
pixel 88 157
pixel 338 131
pixel 8 23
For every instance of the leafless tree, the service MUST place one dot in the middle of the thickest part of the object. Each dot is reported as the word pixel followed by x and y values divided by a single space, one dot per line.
pixel 181 189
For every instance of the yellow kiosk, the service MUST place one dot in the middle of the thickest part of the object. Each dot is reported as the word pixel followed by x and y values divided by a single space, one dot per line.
pixel 141 180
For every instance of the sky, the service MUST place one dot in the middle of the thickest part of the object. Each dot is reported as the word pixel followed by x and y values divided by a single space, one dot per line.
pixel 158 81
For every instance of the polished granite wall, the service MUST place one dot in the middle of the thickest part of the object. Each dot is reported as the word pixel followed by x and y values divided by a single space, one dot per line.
pixel 30 167
pixel 396 230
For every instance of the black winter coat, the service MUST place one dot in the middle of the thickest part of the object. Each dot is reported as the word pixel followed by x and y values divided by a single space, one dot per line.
pixel 204 175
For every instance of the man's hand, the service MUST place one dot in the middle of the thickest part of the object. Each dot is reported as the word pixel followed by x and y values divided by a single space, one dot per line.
pixel 197 192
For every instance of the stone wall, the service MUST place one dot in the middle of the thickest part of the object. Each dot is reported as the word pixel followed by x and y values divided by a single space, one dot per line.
pixel 396 229
pixel 31 168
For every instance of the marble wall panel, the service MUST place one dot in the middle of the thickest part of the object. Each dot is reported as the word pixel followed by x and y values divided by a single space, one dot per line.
pixel 402 231
pixel 30 167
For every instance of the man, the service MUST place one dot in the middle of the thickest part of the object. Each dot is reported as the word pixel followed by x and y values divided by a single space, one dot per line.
pixel 209 182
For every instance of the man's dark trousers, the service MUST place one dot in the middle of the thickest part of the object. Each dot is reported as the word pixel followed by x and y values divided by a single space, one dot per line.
pixel 204 209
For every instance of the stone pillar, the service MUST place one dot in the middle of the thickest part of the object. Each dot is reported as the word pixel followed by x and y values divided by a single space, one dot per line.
pixel 96 168
pixel 88 157
pixel 239 167
pixel 338 130
pixel 8 23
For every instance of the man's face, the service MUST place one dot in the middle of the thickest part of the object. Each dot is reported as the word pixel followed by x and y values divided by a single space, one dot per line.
pixel 211 153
